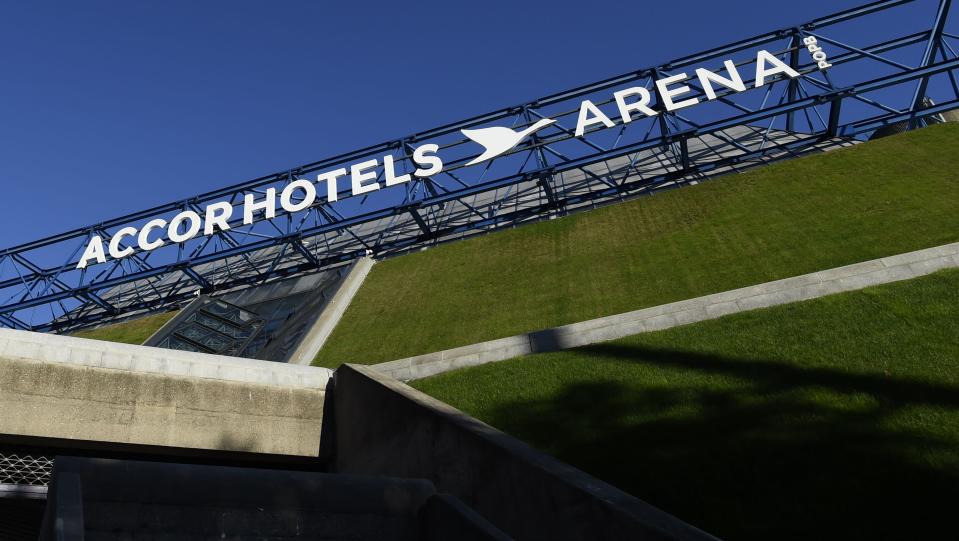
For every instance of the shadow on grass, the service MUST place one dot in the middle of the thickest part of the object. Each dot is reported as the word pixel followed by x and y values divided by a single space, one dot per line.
pixel 760 450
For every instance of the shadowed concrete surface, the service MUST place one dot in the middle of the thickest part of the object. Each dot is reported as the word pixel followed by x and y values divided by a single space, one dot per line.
pixel 121 499
pixel 385 444
pixel 76 389
pixel 20 519
pixel 384 427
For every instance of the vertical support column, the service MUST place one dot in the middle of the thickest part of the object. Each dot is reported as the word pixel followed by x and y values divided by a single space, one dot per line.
pixel 834 110
pixel 660 106
pixel 929 56
pixel 684 152
pixel 63 519
pixel 546 181
pixel 793 91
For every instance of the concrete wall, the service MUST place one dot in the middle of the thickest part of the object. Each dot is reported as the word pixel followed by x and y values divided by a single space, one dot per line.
pixel 383 427
pixel 798 288
pixel 72 388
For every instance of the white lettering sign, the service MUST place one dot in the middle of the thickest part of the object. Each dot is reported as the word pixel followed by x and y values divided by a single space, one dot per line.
pixel 374 174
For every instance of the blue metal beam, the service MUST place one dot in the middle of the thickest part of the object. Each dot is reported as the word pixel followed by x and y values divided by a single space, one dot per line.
pixel 553 170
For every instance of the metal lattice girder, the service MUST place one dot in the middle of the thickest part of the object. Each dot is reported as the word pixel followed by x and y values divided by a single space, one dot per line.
pixel 25 469
pixel 872 82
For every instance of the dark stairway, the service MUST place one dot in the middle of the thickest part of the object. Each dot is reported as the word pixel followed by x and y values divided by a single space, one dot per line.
pixel 100 499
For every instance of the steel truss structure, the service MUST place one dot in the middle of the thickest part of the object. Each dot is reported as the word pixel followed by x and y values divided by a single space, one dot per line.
pixel 875 80
pixel 24 469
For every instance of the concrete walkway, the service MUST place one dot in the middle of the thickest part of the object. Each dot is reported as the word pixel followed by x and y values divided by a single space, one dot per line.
pixel 798 288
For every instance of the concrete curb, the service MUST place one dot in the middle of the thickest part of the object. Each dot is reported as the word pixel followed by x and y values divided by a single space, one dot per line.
pixel 311 344
pixel 83 352
pixel 60 389
pixel 798 288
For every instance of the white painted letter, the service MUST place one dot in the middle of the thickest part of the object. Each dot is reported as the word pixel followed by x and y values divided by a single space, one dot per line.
pixel 765 57
pixel 359 174
pixel 220 221
pixel 268 205
pixel 115 251
pixel 668 95
pixel 390 172
pixel 94 250
pixel 330 178
pixel 642 105
pixel 143 239
pixel 173 232
pixel 309 195
pixel 585 109
pixel 421 158
pixel 706 78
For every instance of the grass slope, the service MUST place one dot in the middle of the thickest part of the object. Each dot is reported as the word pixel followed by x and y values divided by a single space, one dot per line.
pixel 135 331
pixel 881 198
pixel 834 418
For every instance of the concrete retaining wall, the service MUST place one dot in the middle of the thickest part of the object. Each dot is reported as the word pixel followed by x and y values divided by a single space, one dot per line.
pixel 383 427
pixel 73 388
pixel 798 288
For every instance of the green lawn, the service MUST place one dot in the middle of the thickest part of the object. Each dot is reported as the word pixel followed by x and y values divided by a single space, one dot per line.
pixel 881 198
pixel 836 418
pixel 135 331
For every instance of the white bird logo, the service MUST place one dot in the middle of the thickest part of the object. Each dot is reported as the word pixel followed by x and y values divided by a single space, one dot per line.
pixel 498 140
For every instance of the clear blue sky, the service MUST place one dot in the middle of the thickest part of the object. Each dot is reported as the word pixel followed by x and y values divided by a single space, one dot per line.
pixel 111 107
